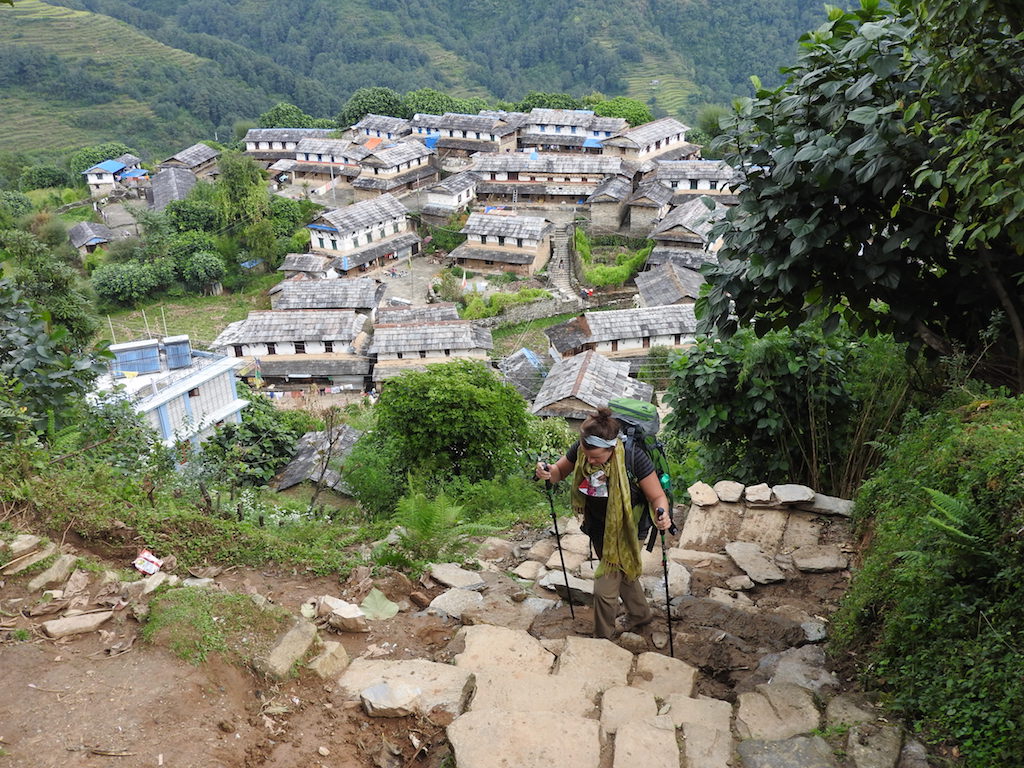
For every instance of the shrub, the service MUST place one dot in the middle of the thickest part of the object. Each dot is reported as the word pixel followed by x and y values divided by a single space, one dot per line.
pixel 125 283
pixel 935 608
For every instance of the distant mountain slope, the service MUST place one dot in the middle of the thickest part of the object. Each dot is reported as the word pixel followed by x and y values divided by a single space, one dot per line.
pixel 186 69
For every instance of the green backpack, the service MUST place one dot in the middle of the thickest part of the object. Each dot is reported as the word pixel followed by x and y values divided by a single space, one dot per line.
pixel 640 426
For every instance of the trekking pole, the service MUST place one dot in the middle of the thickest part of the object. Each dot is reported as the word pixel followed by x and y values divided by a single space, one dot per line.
pixel 668 602
pixel 558 541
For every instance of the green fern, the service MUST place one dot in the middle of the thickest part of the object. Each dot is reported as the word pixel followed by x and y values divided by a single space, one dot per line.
pixel 967 530
pixel 432 528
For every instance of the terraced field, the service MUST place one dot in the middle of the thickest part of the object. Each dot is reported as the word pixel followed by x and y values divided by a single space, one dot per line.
pixel 651 78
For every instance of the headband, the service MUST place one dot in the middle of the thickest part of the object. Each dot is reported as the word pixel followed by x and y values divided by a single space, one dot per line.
pixel 599 442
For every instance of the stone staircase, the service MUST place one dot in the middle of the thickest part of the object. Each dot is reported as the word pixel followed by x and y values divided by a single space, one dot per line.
pixel 560 266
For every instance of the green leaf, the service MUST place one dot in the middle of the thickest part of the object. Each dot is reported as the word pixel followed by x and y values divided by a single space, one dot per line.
pixel 376 606
pixel 863 115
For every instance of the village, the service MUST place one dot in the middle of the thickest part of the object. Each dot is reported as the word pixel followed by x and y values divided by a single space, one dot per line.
pixel 359 307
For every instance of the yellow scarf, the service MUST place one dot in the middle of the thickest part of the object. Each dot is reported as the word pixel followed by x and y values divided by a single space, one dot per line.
pixel 621 548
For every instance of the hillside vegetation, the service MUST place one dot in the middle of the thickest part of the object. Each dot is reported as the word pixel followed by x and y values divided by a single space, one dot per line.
pixel 159 75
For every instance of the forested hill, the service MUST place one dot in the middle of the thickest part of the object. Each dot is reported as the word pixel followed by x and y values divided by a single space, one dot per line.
pixel 208 63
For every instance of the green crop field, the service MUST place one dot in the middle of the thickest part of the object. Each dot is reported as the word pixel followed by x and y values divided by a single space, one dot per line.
pixel 648 78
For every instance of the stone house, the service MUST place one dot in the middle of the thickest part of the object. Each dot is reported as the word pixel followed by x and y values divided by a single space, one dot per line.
pixel 200 159
pixel 296 348
pixel 382 127
pixel 648 204
pixel 523 178
pixel 503 243
pixel 455 134
pixel 394 168
pixel 323 161
pixel 608 211
pixel 364 235
pixel 87 236
pixel 577 386
pixel 624 333
pixel 664 138
pixel 307 266
pixel 449 196
pixel 670 283
pixel 360 295
pixel 269 145
pixel 568 130
pixel 711 177
pixel 413 346
pixel 103 178
pixel 684 235
pixel 182 393
pixel 420 313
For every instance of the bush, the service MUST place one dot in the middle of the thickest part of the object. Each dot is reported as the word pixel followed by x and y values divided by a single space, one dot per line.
pixel 935 608
pixel 202 269
pixel 125 283
pixel 478 307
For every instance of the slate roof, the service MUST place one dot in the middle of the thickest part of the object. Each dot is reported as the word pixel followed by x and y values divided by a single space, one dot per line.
pixel 90 233
pixel 365 213
pixel 171 184
pixel 304 262
pixel 194 156
pixel 612 189
pixel 285 134
pixel 483 253
pixel 679 170
pixel 394 155
pixel 426 313
pixel 651 194
pixel 324 146
pixel 283 165
pixel 577 386
pixel 620 324
pixel 531 138
pixel 579 117
pixel 278 325
pixel 384 123
pixel 669 284
pixel 454 184
pixel 467 145
pixel 357 293
pixel 549 163
pixel 570 335
pixel 352 362
pixel 128 159
pixel 374 250
pixel 455 335
pixel 385 183
pixel 524 371
pixel 496 224
pixel 689 258
pixel 648 133
pixel 312 452
pixel 692 216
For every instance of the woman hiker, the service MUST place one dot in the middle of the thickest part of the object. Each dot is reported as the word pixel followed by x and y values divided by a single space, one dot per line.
pixel 598 467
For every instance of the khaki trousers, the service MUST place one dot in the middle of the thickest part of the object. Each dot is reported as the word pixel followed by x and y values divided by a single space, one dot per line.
pixel 608 588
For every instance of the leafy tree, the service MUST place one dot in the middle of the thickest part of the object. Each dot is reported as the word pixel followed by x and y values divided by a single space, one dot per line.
pixel 285 115
pixel 192 215
pixel 427 101
pixel 182 246
pixel 471 105
pixel 635 112
pixel 242 196
pixel 125 283
pixel 87 157
pixel 454 418
pixel 377 101
pixel 252 452
pixel 881 191
pixel 41 379
pixel 13 205
pixel 202 269
pixel 42 176
pixel 541 100
pixel 288 215
pixel 709 119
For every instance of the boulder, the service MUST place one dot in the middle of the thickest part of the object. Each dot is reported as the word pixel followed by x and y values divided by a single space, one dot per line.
pixel 451 575
pixel 806 752
pixel 494 548
pixel 702 494
pixel 758 494
pixel 290 647
pixel 874 745
pixel 580 590
pixel 729 490
pixel 822 558
pixel 828 505
pixel 531 570
pixel 791 493
pixel 28 560
pixel 749 557
pixel 599 664
pixel 21 544
pixel 573 560
pixel 390 699
pixel 454 602
pixel 342 615
pixel 331 661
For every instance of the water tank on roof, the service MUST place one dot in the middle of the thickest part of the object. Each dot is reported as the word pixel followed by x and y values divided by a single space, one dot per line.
pixel 135 357
pixel 179 352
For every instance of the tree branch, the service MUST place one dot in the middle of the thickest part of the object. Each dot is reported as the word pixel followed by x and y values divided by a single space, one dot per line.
pixel 1011 311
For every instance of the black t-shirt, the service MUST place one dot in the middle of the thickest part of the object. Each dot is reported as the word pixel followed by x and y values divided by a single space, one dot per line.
pixel 595 489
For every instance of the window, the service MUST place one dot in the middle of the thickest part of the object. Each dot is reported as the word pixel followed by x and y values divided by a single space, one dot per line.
pixel 693 183
pixel 447 353
pixel 369 237
pixel 394 228
pixel 398 355
pixel 334 244
pixel 478 134
pixel 423 353
pixel 328 346
pixel 488 262
pixel 519 242
pixel 193 392
pixel 300 347
pixel 483 239
pixel 382 234
pixel 615 346
pixel 501 239
pixel 271 348
pixel 321 241
pixel 677 339
pixel 647 342
pixel 238 350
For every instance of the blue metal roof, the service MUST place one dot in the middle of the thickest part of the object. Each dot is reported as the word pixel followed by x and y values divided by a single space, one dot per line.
pixel 110 166
pixel 133 174
pixel 590 141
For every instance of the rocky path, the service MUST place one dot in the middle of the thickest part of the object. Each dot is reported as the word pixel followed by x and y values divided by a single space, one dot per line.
pixel 514 680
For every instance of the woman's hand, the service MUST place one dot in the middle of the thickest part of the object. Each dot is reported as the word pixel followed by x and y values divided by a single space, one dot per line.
pixel 544 471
